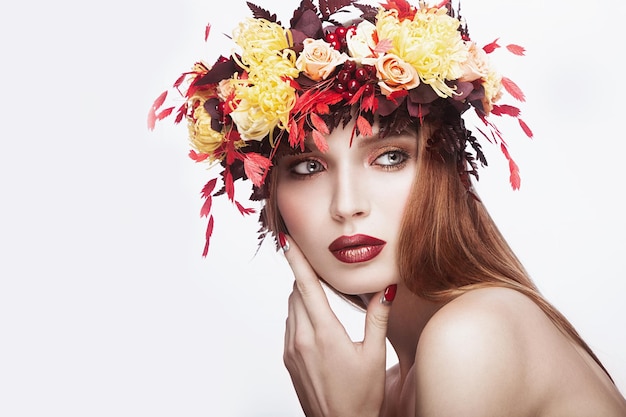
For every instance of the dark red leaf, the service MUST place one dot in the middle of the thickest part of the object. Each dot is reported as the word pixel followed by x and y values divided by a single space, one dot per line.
pixel 206 207
pixel 243 210
pixel 505 109
pixel 208 188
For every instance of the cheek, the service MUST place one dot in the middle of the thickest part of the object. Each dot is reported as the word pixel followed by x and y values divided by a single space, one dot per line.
pixel 296 208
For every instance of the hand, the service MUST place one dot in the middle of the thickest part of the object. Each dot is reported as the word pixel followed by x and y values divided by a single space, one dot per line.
pixel 333 376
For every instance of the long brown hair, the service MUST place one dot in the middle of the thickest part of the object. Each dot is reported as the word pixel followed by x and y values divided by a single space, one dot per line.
pixel 449 244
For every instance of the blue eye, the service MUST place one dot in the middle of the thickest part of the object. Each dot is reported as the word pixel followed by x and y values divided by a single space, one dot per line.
pixel 307 167
pixel 391 158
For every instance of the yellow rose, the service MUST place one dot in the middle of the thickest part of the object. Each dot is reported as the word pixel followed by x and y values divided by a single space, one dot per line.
pixel 251 121
pixel 201 134
pixel 477 64
pixel 319 59
pixel 361 43
pixel 395 74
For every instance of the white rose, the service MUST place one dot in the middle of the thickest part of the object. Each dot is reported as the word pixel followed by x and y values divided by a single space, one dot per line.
pixel 361 43
pixel 477 64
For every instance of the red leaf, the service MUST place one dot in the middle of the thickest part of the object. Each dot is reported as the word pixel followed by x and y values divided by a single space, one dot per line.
pixel 516 49
pixel 209 232
pixel 243 210
pixel 513 89
pixel 398 94
pixel 164 113
pixel 369 103
pixel 489 48
pixel 505 109
pixel 365 128
pixel 525 128
pixel 208 188
pixel 197 157
pixel 229 185
pixel 514 177
pixel 319 124
pixel 151 119
pixel 320 141
pixel 180 80
pixel 256 167
pixel 207 31
pixel 206 207
pixel 159 101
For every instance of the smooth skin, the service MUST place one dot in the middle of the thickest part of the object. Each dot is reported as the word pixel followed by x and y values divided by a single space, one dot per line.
pixel 489 352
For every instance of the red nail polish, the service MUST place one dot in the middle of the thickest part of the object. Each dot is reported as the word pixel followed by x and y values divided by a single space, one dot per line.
pixel 282 241
pixel 390 293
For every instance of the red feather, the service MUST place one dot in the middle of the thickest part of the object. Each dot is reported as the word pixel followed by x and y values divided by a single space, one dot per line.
pixel 516 49
pixel 206 207
pixel 209 232
pixel 256 167
pixel 365 128
pixel 243 210
pixel 525 128
pixel 489 48
pixel 208 188
pixel 505 109
pixel 320 141
pixel 513 89
pixel 207 31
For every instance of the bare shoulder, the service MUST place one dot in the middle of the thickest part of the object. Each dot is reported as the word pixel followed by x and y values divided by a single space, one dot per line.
pixel 475 356
pixel 494 352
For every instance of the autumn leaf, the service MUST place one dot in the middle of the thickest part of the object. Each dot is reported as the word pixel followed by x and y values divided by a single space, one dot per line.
pixel 505 109
pixel 365 128
pixel 243 210
pixel 525 128
pixel 319 124
pixel 256 167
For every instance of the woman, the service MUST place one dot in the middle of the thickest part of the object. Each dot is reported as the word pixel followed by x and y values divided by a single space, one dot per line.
pixel 352 134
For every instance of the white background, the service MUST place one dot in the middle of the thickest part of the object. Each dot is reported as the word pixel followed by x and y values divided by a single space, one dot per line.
pixel 106 306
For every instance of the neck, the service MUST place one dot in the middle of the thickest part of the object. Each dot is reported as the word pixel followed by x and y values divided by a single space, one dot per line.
pixel 407 319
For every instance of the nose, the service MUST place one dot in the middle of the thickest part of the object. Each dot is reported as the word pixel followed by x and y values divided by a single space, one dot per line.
pixel 350 197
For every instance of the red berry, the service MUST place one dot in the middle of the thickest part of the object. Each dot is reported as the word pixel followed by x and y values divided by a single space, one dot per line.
pixel 349 66
pixel 344 76
pixel 335 44
pixel 352 30
pixel 347 95
pixel 368 89
pixel 330 36
pixel 361 74
pixel 341 32
pixel 353 85
pixel 340 87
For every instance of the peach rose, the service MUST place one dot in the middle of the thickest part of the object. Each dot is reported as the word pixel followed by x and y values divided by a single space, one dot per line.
pixel 319 59
pixel 476 66
pixel 361 43
pixel 395 74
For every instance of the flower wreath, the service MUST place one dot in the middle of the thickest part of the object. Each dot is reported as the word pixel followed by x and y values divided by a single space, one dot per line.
pixel 398 62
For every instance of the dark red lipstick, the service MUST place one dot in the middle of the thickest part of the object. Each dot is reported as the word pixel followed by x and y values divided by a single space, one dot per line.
pixel 357 248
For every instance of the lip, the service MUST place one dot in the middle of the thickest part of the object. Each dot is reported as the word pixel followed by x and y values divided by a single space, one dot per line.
pixel 356 248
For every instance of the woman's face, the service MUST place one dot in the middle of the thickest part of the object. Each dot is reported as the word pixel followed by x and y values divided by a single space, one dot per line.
pixel 344 207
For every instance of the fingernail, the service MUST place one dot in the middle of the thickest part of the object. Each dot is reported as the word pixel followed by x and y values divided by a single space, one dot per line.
pixel 389 295
pixel 282 241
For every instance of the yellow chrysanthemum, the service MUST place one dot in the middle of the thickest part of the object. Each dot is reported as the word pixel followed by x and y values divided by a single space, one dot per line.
pixel 202 136
pixel 258 39
pixel 430 42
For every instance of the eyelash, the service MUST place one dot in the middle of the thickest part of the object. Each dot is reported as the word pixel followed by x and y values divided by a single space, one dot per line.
pixel 320 166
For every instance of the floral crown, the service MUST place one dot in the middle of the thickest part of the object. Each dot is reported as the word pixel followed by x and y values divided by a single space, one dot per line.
pixel 397 64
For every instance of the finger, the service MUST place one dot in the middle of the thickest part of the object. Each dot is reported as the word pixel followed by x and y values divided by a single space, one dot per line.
pixel 308 285
pixel 377 318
